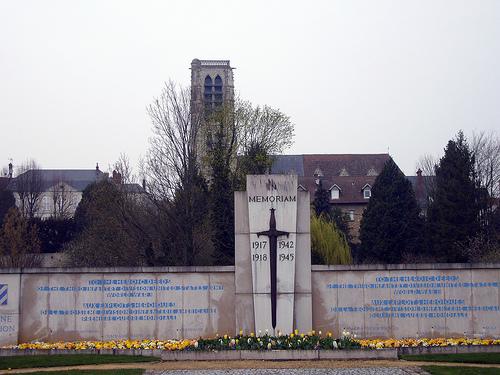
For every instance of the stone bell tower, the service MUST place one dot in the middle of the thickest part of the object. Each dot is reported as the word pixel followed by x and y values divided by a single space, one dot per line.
pixel 212 88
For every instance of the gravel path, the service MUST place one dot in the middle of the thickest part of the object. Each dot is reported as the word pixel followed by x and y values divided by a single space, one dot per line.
pixel 337 371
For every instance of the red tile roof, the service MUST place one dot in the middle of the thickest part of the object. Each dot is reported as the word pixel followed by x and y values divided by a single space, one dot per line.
pixel 355 164
pixel 362 169
pixel 350 187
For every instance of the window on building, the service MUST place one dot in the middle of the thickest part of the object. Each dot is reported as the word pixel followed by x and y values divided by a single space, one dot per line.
pixel 367 193
pixel 350 215
pixel 218 84
pixel 46 203
pixel 335 193
pixel 207 92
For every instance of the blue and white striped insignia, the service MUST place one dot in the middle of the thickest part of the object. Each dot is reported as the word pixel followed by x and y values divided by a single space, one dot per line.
pixel 3 294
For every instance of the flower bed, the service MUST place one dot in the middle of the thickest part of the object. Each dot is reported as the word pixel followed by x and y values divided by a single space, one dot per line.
pixel 294 341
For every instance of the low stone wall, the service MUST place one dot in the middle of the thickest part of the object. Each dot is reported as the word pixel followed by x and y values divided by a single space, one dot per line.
pixel 225 355
pixel 371 301
pixel 408 300
pixel 270 355
pixel 105 304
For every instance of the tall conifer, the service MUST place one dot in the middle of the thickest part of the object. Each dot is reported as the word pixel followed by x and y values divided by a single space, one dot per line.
pixel 391 226
pixel 454 213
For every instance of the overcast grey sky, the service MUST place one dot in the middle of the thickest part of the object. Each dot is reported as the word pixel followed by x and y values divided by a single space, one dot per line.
pixel 355 76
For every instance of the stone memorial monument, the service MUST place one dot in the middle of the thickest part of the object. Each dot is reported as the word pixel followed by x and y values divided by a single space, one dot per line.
pixel 272 255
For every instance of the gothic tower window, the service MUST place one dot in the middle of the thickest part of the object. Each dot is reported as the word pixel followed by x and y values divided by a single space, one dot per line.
pixel 218 91
pixel 207 93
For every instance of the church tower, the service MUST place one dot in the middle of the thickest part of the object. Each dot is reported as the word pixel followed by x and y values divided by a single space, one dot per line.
pixel 212 88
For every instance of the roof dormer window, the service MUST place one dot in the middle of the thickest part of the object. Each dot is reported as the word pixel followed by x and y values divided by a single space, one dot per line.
pixel 335 192
pixel 367 191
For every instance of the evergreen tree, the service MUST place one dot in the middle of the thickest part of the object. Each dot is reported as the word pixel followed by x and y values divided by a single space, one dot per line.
pixel 109 230
pixel 321 203
pixel 454 213
pixel 221 200
pixel 7 201
pixel 19 241
pixel 391 226
pixel 188 233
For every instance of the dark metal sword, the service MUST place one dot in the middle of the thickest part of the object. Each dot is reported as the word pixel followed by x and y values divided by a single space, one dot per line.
pixel 273 235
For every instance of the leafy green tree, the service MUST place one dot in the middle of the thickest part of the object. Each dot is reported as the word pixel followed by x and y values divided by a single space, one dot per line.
pixel 19 242
pixel 391 226
pixel 255 160
pixel 322 207
pixel 261 132
pixel 455 209
pixel 328 244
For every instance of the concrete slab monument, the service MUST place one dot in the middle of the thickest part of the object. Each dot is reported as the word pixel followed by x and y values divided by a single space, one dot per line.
pixel 267 232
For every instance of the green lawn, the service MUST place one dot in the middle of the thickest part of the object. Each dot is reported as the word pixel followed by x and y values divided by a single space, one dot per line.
pixel 488 358
pixel 90 372
pixel 30 361
pixel 444 370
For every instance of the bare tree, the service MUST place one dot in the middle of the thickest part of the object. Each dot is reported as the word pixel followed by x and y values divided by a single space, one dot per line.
pixel 175 185
pixel 29 187
pixel 486 149
pixel 427 164
pixel 63 203
pixel 123 167
pixel 171 159
pixel 267 127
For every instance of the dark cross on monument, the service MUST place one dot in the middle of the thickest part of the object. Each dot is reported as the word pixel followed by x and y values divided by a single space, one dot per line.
pixel 273 235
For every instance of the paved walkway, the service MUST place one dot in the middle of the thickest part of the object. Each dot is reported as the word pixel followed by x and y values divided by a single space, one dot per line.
pixel 338 371
pixel 324 367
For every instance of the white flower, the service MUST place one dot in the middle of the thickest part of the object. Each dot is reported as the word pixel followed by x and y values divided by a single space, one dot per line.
pixel 269 346
pixel 334 344
pixel 196 344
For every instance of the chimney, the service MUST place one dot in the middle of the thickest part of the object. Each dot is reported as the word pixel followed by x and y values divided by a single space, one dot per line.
pixel 97 167
pixel 144 184
pixel 10 170
pixel 419 186
pixel 117 177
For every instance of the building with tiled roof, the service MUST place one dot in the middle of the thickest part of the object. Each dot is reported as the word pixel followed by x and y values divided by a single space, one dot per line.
pixel 60 190
pixel 348 177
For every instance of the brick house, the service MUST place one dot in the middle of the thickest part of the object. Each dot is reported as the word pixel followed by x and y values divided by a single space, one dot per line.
pixel 348 177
